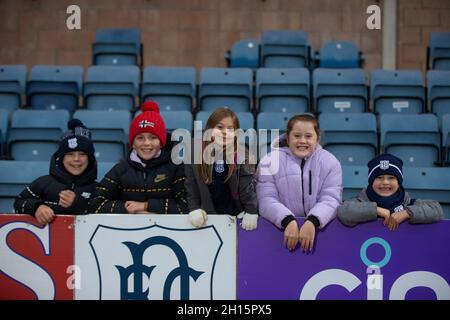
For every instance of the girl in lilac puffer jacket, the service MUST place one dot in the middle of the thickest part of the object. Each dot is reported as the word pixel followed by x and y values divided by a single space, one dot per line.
pixel 299 178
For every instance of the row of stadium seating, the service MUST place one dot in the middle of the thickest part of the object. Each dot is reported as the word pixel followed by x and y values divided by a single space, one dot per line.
pixel 354 138
pixel 425 183
pixel 275 49
pixel 175 88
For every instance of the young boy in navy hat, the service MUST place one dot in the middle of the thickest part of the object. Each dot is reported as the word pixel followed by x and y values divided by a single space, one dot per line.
pixel 146 181
pixel 71 181
pixel 385 197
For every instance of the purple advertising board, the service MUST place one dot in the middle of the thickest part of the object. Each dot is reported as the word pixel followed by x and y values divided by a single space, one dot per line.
pixel 366 262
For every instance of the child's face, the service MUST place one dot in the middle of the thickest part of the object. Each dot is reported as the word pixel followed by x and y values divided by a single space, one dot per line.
pixel 302 139
pixel 385 185
pixel 146 145
pixel 223 132
pixel 75 162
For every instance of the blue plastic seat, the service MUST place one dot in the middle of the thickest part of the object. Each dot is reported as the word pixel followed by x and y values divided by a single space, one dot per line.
pixel 354 179
pixel 4 120
pixel 284 49
pixel 351 138
pixel 439 50
pixel 178 120
pixel 438 84
pixel 413 138
pixel 109 132
pixel 282 90
pixel 34 135
pixel 225 87
pixel 14 177
pixel 429 183
pixel 339 54
pixel 173 88
pixel 103 168
pixel 117 47
pixel 265 123
pixel 246 119
pixel 245 54
pixel 340 90
pixel 400 91
pixel 55 87
pixel 111 87
pixel 12 86
pixel 446 138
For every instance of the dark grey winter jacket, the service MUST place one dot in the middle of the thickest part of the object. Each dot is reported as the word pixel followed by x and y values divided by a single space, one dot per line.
pixel 361 209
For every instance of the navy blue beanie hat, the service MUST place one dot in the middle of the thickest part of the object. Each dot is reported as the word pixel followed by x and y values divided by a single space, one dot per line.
pixel 78 138
pixel 385 164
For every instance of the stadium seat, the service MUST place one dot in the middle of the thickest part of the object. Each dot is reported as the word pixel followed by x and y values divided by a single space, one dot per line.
pixel 173 88
pixel 413 138
pixel 339 54
pixel 439 50
pixel 438 84
pixel 16 175
pixel 351 138
pixel 34 135
pixel 12 86
pixel 4 120
pixel 245 54
pixel 429 183
pixel 111 87
pixel 446 138
pixel 340 90
pixel 225 87
pixel 282 90
pixel 246 119
pixel 400 91
pixel 55 87
pixel 103 168
pixel 354 179
pixel 109 132
pixel 265 123
pixel 178 120
pixel 285 49
pixel 117 47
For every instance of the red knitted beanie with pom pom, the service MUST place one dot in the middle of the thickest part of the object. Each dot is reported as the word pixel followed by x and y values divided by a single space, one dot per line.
pixel 149 121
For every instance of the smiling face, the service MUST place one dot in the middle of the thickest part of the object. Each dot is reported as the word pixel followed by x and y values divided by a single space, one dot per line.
pixel 146 145
pixel 385 185
pixel 75 162
pixel 302 139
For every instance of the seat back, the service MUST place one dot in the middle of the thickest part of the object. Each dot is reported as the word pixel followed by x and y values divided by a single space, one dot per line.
pixel 12 86
pixel 284 49
pixel 339 54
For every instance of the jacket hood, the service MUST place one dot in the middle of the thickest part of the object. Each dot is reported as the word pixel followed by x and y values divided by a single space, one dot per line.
pixel 58 171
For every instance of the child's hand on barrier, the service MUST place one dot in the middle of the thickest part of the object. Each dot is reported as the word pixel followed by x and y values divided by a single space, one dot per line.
pixel 400 216
pixel 306 236
pixel 66 198
pixel 383 213
pixel 291 235
pixel 249 221
pixel 392 224
pixel 136 207
pixel 44 214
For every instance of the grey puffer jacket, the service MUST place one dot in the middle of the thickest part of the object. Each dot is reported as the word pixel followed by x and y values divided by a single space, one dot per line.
pixel 361 209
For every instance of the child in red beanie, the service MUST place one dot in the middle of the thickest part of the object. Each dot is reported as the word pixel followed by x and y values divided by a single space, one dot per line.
pixel 147 181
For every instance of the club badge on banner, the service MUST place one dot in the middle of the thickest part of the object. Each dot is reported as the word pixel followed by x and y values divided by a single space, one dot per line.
pixel 155 257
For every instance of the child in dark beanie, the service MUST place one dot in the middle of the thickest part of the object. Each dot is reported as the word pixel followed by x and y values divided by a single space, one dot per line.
pixel 385 197
pixel 70 183
pixel 146 181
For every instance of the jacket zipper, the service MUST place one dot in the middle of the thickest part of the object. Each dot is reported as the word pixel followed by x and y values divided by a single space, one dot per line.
pixel 145 180
pixel 310 182
pixel 303 193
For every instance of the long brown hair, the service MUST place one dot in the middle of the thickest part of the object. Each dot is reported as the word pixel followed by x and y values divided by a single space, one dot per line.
pixel 218 115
